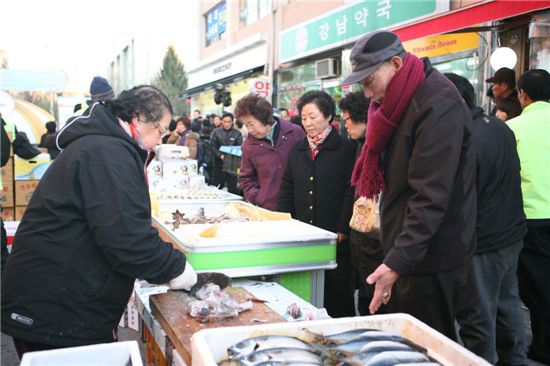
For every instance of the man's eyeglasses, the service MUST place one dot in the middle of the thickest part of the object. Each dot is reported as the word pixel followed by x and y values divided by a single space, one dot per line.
pixel 161 128
pixel 157 125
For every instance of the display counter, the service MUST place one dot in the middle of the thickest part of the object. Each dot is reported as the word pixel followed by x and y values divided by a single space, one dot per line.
pixel 168 331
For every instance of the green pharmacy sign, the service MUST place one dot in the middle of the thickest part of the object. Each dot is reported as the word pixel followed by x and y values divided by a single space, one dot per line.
pixel 350 22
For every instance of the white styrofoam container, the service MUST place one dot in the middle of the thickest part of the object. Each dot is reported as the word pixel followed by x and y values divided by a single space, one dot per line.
pixel 167 152
pixel 112 354
pixel 209 346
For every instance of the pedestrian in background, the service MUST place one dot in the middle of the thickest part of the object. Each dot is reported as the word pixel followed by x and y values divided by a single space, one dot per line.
pixel 265 151
pixel 86 234
pixel 504 88
pixel 183 128
pixel 532 131
pixel 205 156
pixel 47 140
pixel 490 316
pixel 419 153
pixel 100 91
pixel 316 190
pixel 196 123
pixel 225 136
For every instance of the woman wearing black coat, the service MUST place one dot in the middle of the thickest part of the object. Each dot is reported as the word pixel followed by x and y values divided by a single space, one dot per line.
pixel 316 190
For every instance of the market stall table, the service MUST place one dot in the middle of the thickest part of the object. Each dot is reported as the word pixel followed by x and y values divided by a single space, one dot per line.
pixel 296 254
pixel 167 325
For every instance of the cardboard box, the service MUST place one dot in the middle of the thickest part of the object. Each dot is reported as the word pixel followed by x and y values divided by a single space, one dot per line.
pixel 113 354
pixel 24 190
pixel 31 169
pixel 18 213
pixel 6 196
pixel 6 172
pixel 167 152
pixel 209 346
pixel 8 213
pixel 177 169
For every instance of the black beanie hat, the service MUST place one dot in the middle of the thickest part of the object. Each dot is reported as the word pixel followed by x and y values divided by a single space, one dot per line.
pixel 100 89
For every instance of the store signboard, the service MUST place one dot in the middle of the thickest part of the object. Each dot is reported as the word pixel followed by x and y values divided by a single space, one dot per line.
pixel 262 86
pixel 442 44
pixel 216 21
pixel 348 23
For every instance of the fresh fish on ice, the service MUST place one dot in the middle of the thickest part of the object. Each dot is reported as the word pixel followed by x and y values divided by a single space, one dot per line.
pixel 388 358
pixel 281 354
pixel 248 346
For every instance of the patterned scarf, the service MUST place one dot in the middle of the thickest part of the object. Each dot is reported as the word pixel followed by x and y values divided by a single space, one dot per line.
pixel 383 120
pixel 316 141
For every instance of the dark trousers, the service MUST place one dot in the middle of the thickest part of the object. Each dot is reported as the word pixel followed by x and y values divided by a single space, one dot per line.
pixel 490 316
pixel 340 284
pixel 366 255
pixel 218 176
pixel 431 298
pixel 534 288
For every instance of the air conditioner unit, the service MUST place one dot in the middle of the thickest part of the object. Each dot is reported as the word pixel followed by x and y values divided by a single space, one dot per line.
pixel 326 68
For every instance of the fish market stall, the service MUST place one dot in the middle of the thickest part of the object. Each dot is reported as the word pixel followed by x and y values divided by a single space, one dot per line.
pixel 168 329
pixel 371 340
pixel 242 240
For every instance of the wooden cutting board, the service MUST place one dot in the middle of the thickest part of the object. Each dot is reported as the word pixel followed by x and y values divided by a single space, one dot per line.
pixel 169 310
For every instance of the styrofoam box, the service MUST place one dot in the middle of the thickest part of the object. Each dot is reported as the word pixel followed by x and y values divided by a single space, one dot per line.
pixel 112 354
pixel 209 346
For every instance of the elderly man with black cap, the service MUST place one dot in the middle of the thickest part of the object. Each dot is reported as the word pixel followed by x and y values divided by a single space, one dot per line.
pixel 419 154
pixel 504 87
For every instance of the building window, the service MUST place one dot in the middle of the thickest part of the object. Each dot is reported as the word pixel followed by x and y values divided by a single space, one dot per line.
pixel 216 23
pixel 252 10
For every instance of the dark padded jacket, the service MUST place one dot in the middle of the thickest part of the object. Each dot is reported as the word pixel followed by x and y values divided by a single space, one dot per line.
pixel 500 216
pixel 85 237
pixel 428 212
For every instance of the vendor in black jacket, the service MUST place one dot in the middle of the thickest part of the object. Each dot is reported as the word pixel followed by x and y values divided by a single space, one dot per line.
pixel 86 234
pixel 316 189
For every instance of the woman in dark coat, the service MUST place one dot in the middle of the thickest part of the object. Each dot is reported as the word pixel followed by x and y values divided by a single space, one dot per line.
pixel 86 234
pixel 316 190
pixel 366 250
pixel 265 150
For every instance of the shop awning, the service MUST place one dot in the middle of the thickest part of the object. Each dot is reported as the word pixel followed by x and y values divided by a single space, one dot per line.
pixel 468 16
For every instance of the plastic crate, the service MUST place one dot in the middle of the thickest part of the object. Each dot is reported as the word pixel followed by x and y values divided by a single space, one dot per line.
pixel 112 354
pixel 232 159
pixel 209 346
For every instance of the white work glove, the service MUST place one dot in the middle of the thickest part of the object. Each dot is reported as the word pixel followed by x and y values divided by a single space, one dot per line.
pixel 184 281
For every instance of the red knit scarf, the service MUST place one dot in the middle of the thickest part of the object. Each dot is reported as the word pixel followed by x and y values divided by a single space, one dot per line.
pixel 383 120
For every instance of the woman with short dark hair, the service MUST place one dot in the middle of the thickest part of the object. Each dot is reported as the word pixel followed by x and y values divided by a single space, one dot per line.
pixel 316 189
pixel 265 150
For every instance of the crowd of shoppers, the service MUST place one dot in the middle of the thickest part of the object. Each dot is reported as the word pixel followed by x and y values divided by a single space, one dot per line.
pixel 464 201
